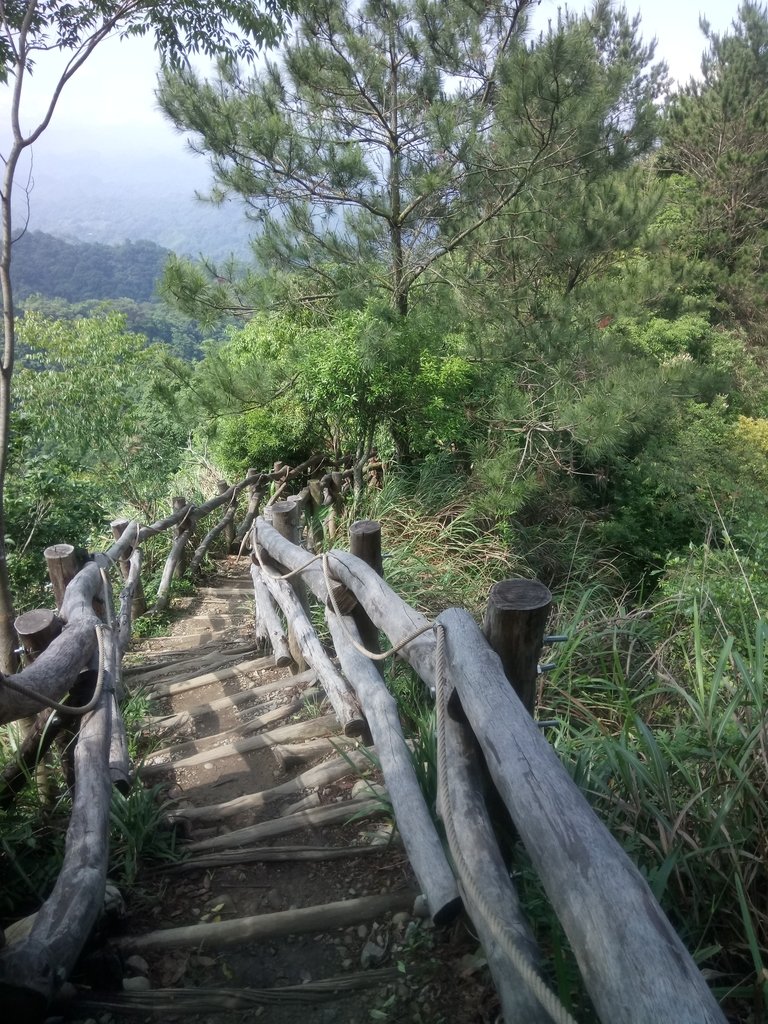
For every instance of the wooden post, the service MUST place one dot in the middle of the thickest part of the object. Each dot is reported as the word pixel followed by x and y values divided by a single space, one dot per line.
pixel 331 484
pixel 420 837
pixel 482 872
pixel 62 569
pixel 139 602
pixel 285 519
pixel 35 630
pixel 179 502
pixel 515 620
pixel 619 935
pixel 255 494
pixel 365 542
pixel 229 528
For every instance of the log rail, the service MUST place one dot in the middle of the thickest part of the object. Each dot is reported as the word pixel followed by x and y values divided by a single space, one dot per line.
pixel 634 966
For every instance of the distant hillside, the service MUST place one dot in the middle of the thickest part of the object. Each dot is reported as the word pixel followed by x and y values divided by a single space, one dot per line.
pixel 103 197
pixel 78 271
pixel 64 280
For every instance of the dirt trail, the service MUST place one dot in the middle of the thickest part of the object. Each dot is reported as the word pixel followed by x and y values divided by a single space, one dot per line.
pixel 366 954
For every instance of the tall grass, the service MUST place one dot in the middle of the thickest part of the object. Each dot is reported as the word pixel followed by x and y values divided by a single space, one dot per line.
pixel 437 553
pixel 676 765
pixel 663 723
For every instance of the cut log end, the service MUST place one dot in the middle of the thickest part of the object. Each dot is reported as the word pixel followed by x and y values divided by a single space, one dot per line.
pixel 520 595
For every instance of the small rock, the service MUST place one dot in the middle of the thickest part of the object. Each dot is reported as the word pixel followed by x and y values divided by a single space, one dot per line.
pixel 372 955
pixel 67 992
pixel 137 984
pixel 401 919
pixel 382 836
pixel 175 792
pixel 137 965
pixel 420 907
pixel 106 1018
pixel 362 931
pixel 219 904
pixel 346 964
pixel 114 904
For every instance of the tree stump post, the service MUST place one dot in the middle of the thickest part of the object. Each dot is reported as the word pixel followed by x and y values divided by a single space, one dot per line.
pixel 229 529
pixel 365 542
pixel 178 503
pixel 515 621
pixel 139 602
pixel 35 630
pixel 285 519
pixel 331 485
pixel 62 564
pixel 255 494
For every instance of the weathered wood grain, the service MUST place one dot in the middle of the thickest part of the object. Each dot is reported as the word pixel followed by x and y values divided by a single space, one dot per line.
pixel 269 926
pixel 338 690
pixel 422 843
pixel 633 963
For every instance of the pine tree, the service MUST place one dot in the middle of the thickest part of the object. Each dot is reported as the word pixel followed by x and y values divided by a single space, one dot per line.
pixel 354 147
pixel 716 136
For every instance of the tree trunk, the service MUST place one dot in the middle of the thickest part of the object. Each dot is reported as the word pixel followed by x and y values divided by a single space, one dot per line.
pixel 8 660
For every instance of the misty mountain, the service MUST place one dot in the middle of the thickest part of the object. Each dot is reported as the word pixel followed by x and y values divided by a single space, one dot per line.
pixel 99 196
pixel 79 271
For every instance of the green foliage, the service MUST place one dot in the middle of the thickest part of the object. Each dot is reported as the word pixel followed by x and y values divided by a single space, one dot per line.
pixel 673 763
pixel 77 271
pixel 716 136
pixel 233 28
pixel 113 431
pixel 369 154
pixel 31 848
pixel 285 386
pixel 89 436
pixel 157 322
pixel 138 833
pixel 46 505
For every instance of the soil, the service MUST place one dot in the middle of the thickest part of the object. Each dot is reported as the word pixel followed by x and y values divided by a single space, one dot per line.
pixel 408 970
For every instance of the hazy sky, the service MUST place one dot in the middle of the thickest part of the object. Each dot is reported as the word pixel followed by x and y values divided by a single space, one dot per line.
pixel 114 90
pixel 109 105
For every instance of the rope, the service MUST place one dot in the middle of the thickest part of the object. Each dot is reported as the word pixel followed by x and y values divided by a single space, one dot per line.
pixel 108 610
pixel 528 973
pixel 67 709
pixel 324 557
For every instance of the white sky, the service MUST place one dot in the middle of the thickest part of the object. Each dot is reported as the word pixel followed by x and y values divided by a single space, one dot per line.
pixel 109 105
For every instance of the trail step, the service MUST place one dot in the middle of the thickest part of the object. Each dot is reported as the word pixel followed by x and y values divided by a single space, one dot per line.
pixel 238 779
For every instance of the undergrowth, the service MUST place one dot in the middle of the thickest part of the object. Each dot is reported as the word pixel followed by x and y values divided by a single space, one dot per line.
pixel 661 709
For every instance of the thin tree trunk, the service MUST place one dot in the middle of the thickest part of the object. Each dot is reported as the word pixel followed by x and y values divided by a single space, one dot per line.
pixel 7 636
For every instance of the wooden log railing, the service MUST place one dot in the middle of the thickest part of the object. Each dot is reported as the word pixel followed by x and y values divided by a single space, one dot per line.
pixel 633 964
pixel 61 663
